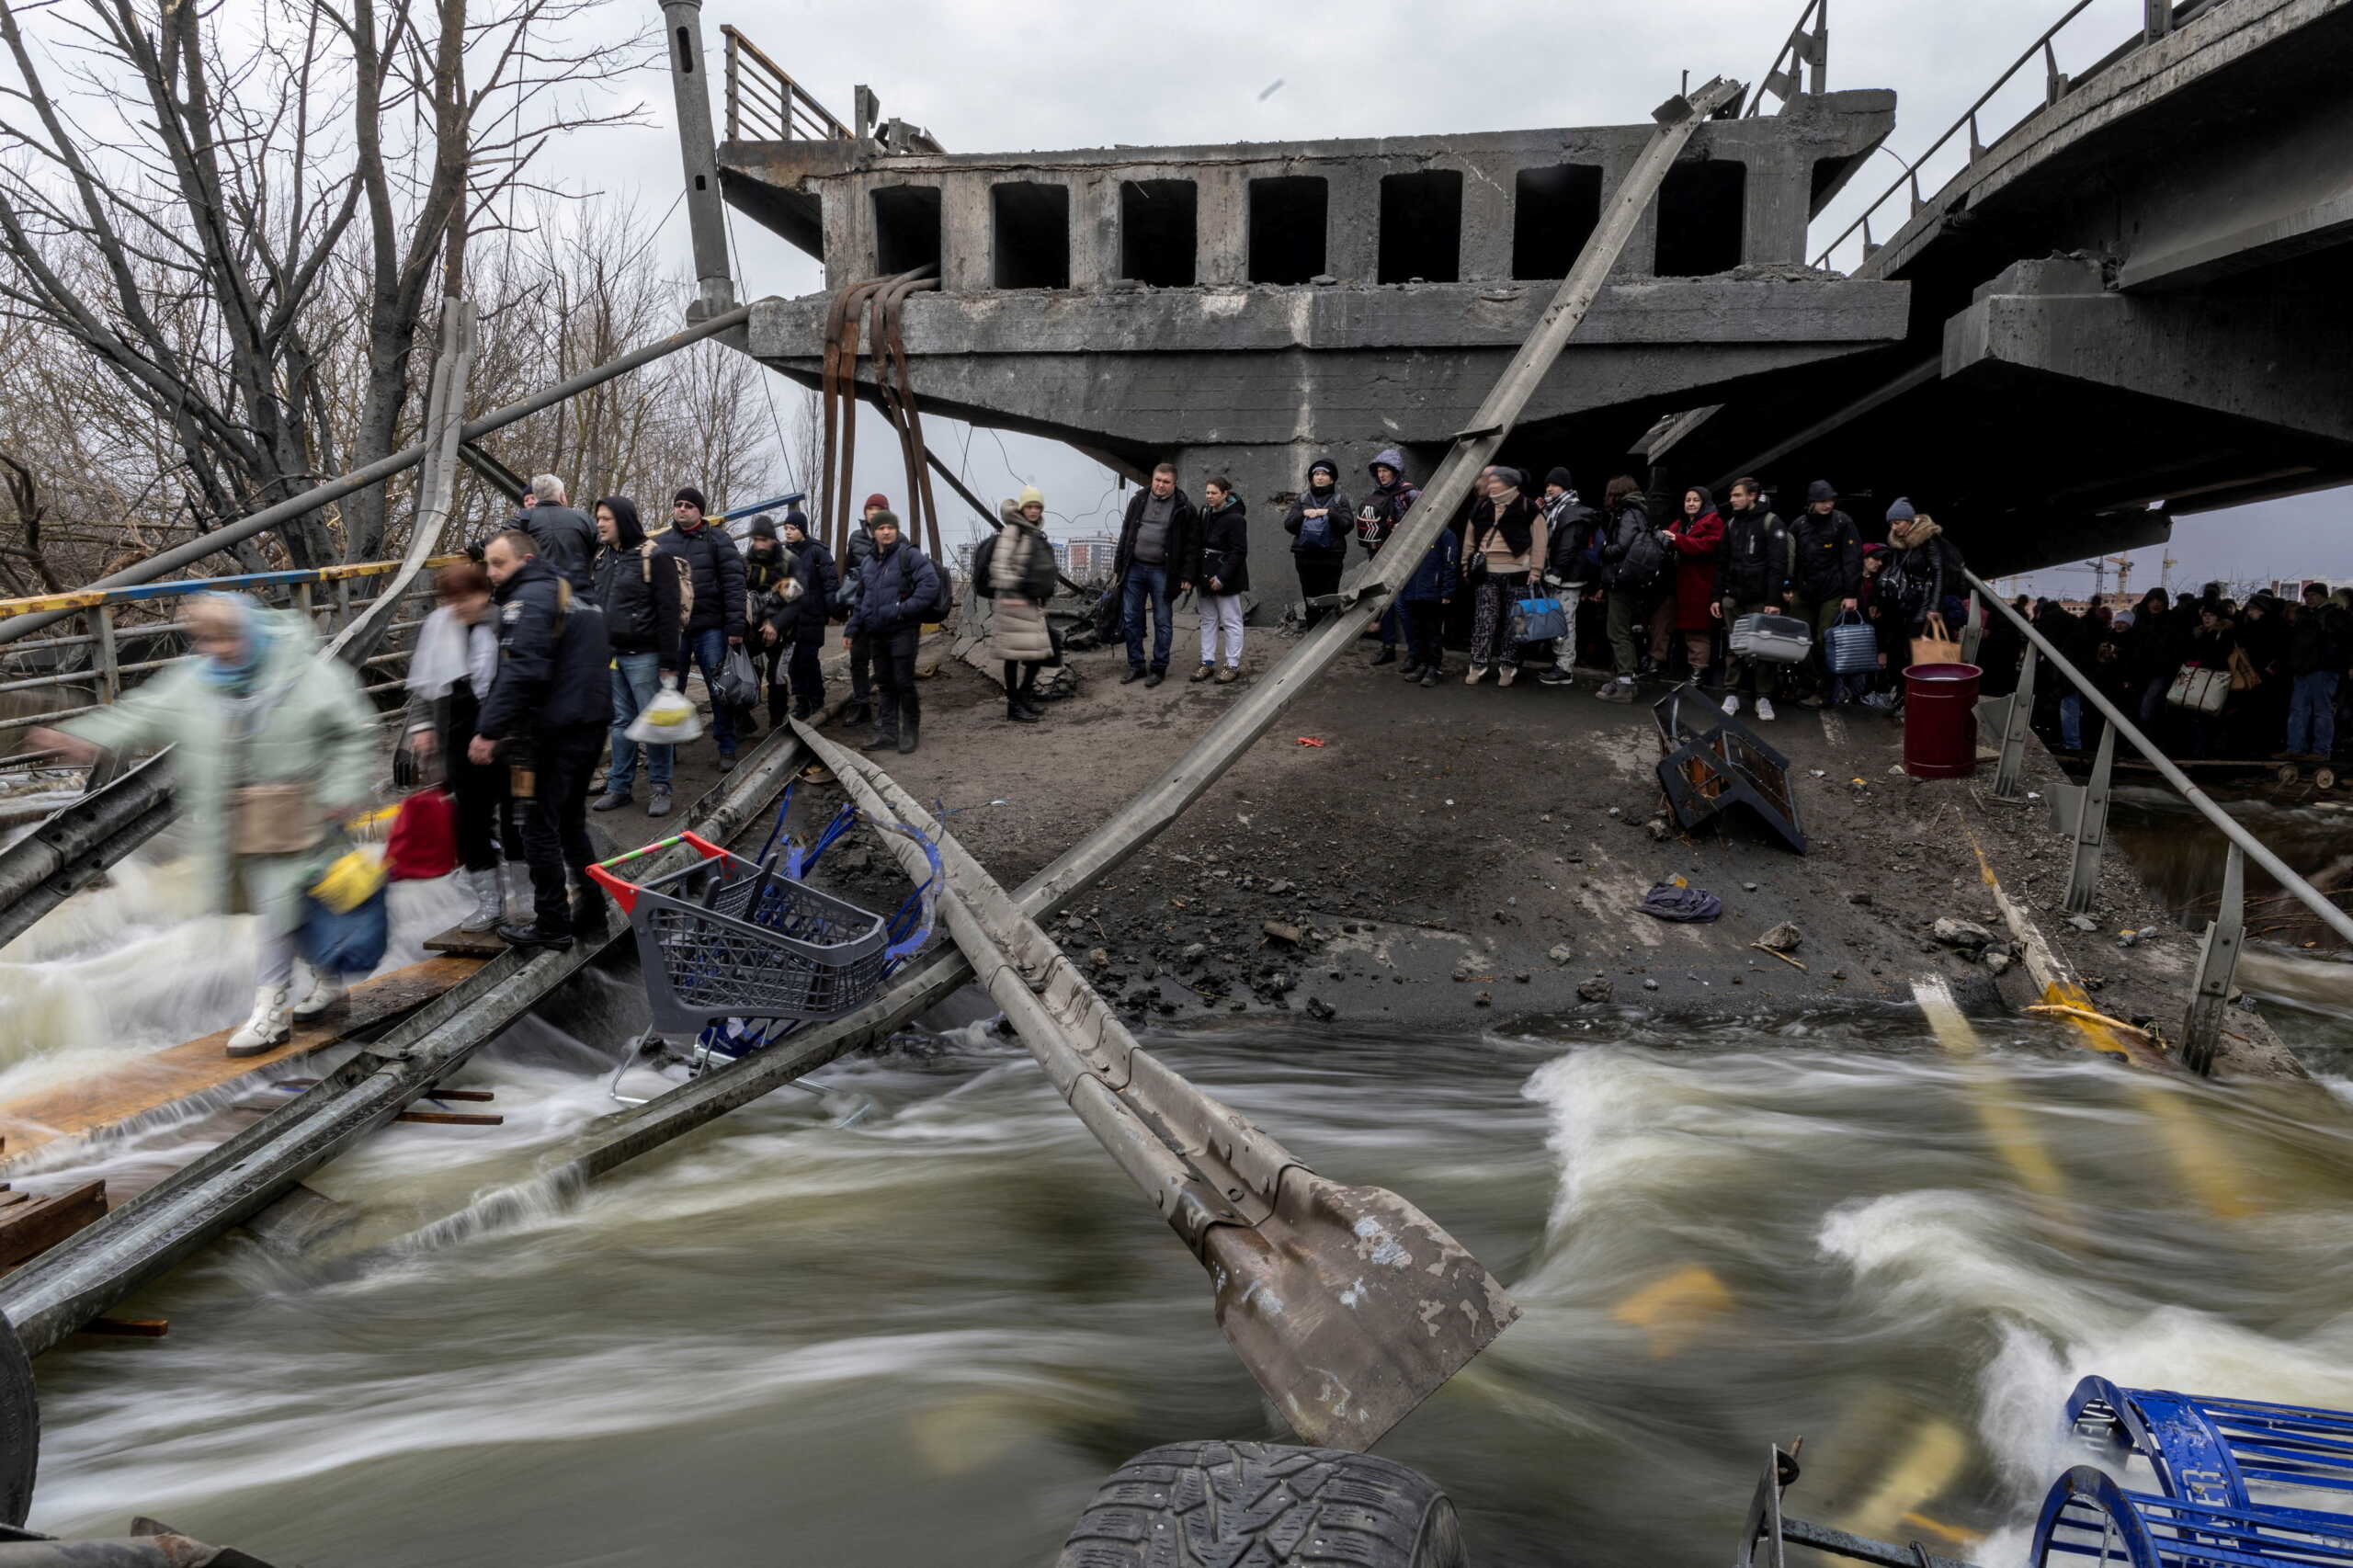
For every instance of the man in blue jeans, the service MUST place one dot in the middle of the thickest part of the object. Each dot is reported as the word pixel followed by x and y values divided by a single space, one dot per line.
pixel 717 567
pixel 2318 649
pixel 637 588
pixel 1160 534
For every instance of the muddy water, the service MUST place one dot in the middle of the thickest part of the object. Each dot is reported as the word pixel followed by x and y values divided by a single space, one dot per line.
pixel 923 1338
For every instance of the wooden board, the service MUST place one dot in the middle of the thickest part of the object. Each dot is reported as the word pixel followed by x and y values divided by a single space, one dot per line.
pixel 463 943
pixel 28 1230
pixel 118 1094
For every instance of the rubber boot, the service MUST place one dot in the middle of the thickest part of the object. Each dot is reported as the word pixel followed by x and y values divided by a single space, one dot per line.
pixel 267 1027
pixel 908 737
pixel 1015 712
pixel 886 726
pixel 489 901
pixel 325 993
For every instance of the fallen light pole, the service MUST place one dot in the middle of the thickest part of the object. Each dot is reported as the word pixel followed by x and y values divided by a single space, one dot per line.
pixel 1350 1305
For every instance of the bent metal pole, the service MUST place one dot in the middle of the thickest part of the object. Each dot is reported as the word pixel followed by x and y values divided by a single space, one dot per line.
pixel 164 563
pixel 2311 897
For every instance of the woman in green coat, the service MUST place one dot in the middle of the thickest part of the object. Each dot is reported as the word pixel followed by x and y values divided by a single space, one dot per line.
pixel 271 747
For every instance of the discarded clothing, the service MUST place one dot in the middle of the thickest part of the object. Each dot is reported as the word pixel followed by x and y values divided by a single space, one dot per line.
pixel 1690 904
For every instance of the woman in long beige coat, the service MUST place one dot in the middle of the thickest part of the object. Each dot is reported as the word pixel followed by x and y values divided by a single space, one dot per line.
pixel 1021 579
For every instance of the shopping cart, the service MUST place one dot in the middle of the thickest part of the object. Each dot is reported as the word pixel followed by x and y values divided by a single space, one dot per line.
pixel 2242 1484
pixel 738 951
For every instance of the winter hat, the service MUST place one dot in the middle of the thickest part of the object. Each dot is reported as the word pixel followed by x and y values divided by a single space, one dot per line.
pixel 1512 477
pixel 764 527
pixel 1031 492
pixel 692 497
pixel 884 515
pixel 878 499
pixel 798 521
pixel 1902 511
pixel 1324 465
pixel 1820 490
pixel 1560 476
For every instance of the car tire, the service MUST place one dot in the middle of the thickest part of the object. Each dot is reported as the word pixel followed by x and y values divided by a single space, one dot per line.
pixel 1216 1505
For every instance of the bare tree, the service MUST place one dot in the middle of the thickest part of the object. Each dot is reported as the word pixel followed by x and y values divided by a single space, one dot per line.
pixel 181 220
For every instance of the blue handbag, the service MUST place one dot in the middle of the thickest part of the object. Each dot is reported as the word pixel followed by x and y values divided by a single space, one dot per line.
pixel 1850 647
pixel 349 942
pixel 1539 620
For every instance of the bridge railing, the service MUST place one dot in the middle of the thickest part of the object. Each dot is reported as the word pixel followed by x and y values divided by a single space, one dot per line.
pixel 2159 17
pixel 91 668
pixel 764 104
pixel 2082 810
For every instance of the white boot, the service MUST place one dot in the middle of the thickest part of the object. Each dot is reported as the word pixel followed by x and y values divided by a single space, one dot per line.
pixel 489 901
pixel 326 991
pixel 267 1028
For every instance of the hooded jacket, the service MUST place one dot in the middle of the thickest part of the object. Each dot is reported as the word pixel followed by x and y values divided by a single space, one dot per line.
pixel 1386 504
pixel 1439 572
pixel 1338 520
pixel 1572 553
pixel 1758 555
pixel 899 589
pixel 1922 570
pixel 1632 560
pixel 1225 548
pixel 551 657
pixel 1021 579
pixel 637 592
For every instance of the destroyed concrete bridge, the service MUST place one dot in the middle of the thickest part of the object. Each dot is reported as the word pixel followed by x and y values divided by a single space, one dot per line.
pixel 2127 306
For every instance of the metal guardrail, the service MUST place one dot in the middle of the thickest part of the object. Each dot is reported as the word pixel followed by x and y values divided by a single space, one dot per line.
pixel 2219 959
pixel 1804 65
pixel 107 637
pixel 764 104
pixel 2159 19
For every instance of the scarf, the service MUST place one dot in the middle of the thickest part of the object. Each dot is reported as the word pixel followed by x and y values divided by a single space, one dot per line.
pixel 237 680
pixel 448 650
pixel 1914 534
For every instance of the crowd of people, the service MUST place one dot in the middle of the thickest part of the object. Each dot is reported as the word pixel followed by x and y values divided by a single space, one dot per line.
pixel 2286 671
pixel 1660 596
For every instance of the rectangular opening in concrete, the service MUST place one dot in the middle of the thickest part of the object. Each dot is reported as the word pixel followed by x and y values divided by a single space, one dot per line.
pixel 1554 212
pixel 1421 227
pixel 1699 210
pixel 1029 233
pixel 906 228
pixel 1159 231
pixel 1287 218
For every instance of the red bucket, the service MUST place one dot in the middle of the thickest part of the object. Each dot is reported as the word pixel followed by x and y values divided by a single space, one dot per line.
pixel 1940 720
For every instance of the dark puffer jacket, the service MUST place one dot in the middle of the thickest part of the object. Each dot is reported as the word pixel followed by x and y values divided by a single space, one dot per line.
pixel 1224 550
pixel 1184 534
pixel 551 657
pixel 899 587
pixel 1339 518
pixel 718 568
pixel 1386 505
pixel 1830 557
pixel 567 540
pixel 637 592
pixel 825 582
pixel 1436 576
pixel 1759 553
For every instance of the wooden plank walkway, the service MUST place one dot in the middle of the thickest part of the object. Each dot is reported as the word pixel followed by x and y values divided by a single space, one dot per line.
pixel 146 1085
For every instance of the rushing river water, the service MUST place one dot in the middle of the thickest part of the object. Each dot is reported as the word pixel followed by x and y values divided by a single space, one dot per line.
pixel 925 1337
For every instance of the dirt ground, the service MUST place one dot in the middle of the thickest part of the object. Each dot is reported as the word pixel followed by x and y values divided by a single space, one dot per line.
pixel 1440 856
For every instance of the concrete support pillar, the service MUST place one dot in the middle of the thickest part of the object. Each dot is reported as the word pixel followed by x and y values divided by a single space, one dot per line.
pixel 1775 209
pixel 1488 199
pixel 849 236
pixel 1093 229
pixel 1223 195
pixel 966 238
pixel 1352 224
pixel 1639 258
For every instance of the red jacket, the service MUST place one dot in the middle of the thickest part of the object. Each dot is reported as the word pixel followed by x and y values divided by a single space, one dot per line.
pixel 1697 541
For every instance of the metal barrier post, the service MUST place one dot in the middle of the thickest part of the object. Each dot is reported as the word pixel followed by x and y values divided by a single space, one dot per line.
pixel 2091 826
pixel 110 665
pixel 2014 730
pixel 1972 629
pixel 342 602
pixel 2218 961
pixel 302 603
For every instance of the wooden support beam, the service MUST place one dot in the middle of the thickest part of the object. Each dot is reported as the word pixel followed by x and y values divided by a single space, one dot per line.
pixel 28 1230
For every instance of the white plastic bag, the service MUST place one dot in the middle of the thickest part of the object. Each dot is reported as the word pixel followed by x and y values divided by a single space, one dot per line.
pixel 668 721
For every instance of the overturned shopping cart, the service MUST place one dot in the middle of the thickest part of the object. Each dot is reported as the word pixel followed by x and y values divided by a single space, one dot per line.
pixel 738 951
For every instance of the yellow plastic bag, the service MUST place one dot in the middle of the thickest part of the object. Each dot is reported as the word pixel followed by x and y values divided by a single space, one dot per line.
pixel 349 881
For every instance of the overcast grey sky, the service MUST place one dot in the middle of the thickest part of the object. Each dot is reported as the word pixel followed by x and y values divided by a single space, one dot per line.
pixel 1019 75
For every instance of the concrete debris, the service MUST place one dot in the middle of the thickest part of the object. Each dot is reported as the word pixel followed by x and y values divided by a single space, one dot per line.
pixel 1649 984
pixel 1781 938
pixel 1593 991
pixel 2083 922
pixel 1292 936
pixel 1996 962
pixel 1322 1012
pixel 1562 952
pixel 1961 932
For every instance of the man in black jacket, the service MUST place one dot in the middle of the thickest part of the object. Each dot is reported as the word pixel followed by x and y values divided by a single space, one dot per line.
pixel 546 716
pixel 861 656
pixel 1571 563
pixel 1162 532
pixel 1827 580
pixel 719 615
pixel 566 540
pixel 2317 653
pixel 807 681
pixel 1752 578
pixel 899 589
pixel 637 589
